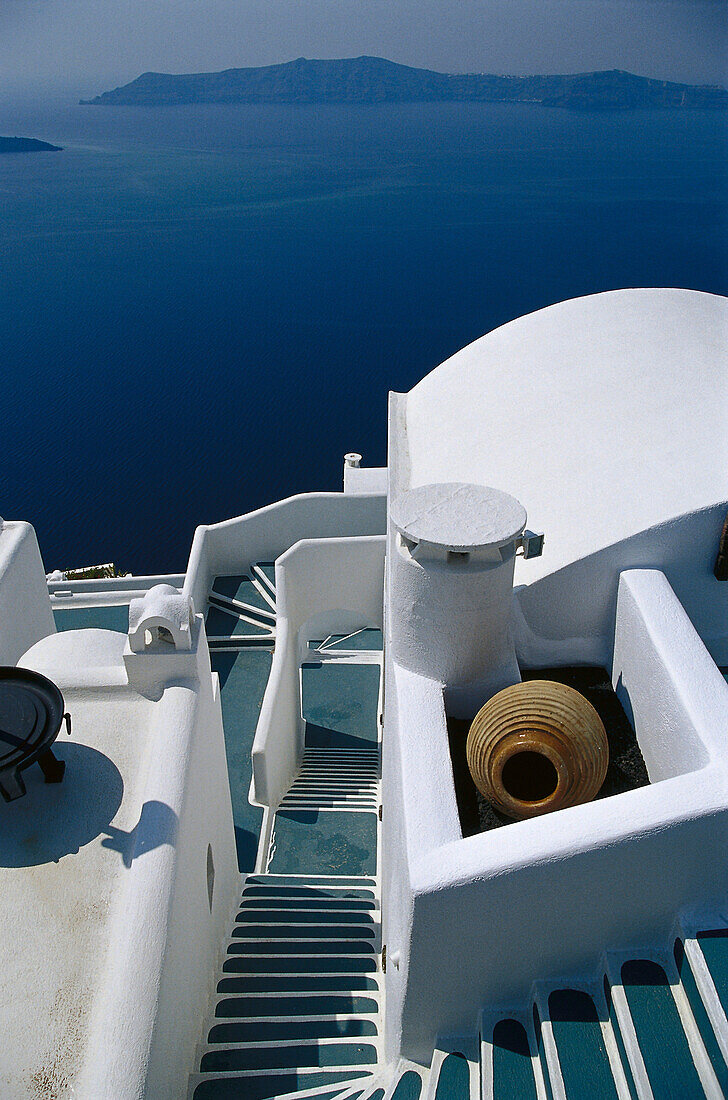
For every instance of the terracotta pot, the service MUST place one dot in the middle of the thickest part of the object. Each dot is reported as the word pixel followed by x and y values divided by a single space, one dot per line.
pixel 536 747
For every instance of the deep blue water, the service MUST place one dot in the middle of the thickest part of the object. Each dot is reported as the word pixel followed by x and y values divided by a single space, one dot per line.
pixel 203 308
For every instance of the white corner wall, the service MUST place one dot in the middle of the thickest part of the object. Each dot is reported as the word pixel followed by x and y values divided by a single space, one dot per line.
pixel 265 534
pixel 664 677
pixel 568 616
pixel 480 919
pixel 166 939
pixel 25 606
pixel 316 576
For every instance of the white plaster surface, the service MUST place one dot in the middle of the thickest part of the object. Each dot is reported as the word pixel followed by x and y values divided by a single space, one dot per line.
pixel 163 612
pixel 545 898
pixel 603 415
pixel 25 607
pixel 314 577
pixel 111 943
pixel 62 851
pixel 365 479
pixel 263 535
pixel 458 516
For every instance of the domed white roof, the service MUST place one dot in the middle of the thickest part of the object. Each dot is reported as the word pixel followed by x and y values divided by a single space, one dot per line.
pixel 603 415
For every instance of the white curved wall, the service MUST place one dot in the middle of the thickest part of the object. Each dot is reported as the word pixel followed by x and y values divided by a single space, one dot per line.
pixel 602 415
pixel 314 577
pixel 25 606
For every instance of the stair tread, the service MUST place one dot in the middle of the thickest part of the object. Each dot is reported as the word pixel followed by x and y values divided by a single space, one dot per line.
pixel 663 1045
pixel 583 1057
pixel 299 1056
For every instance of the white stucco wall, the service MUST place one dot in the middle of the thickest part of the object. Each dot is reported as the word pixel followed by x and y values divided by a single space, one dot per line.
pixel 568 616
pixel 25 607
pixel 602 415
pixel 482 918
pixel 341 577
pixel 147 965
pixel 263 535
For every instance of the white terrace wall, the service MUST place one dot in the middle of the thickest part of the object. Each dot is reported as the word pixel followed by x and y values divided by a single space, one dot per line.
pixel 166 934
pixel 484 917
pixel 25 607
pixel 665 679
pixel 315 578
pixel 265 534
pixel 567 617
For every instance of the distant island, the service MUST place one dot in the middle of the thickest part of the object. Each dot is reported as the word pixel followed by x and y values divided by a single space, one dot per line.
pixel 26 145
pixel 375 80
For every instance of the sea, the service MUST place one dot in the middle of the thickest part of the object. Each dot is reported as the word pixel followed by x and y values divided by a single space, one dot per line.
pixel 203 308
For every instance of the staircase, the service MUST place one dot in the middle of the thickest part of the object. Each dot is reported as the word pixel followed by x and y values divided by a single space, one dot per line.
pixel 298 1008
pixel 241 609
pixel 298 1003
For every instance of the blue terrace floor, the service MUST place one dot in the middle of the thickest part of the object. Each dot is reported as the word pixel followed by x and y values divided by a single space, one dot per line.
pixel 102 617
pixel 327 823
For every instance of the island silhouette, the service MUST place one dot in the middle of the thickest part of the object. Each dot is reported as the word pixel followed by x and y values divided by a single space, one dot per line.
pixel 376 80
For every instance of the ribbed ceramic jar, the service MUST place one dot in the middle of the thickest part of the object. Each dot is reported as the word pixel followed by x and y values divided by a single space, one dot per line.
pixel 536 747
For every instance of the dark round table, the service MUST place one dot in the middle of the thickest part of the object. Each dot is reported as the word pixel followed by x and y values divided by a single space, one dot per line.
pixel 32 712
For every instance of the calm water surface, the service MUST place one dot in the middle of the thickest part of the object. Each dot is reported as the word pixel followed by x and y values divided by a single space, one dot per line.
pixel 203 308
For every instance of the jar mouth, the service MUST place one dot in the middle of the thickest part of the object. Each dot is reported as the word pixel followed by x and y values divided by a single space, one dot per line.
pixel 536 747
pixel 529 777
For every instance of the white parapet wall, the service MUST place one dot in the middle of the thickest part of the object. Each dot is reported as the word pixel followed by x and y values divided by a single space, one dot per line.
pixel 475 922
pixel 265 534
pixel 25 607
pixel 159 884
pixel 319 582
pixel 568 616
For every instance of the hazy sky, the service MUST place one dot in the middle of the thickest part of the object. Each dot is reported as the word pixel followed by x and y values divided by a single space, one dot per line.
pixel 90 45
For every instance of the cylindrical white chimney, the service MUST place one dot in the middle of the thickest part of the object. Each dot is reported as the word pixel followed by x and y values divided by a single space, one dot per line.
pixel 451 583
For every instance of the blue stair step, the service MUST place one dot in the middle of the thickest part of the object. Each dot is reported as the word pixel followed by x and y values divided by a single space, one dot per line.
pixel 311 894
pixel 272 933
pixel 301 947
pixel 296 983
pixel 259 614
pixel 273 1030
pixel 325 884
pixel 340 704
pixel 245 964
pixel 453 1081
pixel 337 841
pixel 305 916
pixel 583 1057
pixel 408 1087
pixel 289 1057
pixel 700 1014
pixel 316 905
pixel 512 1067
pixel 266 571
pixel 222 624
pixel 261 1087
pixel 665 1051
pixel 369 640
pixel 241 589
pixel 315 1005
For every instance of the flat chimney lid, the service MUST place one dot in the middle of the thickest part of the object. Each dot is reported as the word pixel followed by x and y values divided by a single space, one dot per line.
pixel 458 516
